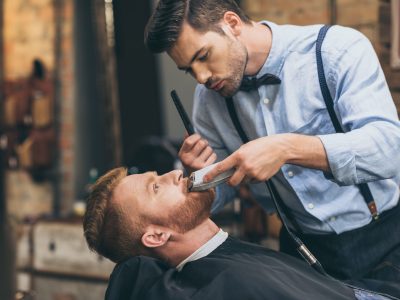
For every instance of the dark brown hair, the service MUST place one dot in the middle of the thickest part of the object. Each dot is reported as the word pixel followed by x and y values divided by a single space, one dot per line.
pixel 105 224
pixel 165 24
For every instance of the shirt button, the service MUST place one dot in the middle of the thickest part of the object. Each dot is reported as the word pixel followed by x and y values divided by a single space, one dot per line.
pixel 310 205
pixel 332 219
pixel 290 174
pixel 266 100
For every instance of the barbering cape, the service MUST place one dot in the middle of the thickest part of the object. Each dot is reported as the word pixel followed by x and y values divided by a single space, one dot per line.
pixel 235 270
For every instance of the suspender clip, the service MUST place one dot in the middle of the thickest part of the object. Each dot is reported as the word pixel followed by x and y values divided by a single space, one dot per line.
pixel 373 210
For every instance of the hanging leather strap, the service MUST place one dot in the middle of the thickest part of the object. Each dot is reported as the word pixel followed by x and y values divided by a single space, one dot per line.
pixel 280 207
pixel 283 212
pixel 364 188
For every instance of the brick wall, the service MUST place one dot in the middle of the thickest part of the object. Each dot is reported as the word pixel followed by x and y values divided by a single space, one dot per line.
pixel 392 75
pixel 28 33
pixel 359 14
pixel 300 12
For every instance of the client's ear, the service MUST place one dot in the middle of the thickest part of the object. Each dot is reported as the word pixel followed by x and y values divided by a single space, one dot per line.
pixel 155 236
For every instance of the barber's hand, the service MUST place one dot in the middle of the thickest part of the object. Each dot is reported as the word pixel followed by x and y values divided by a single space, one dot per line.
pixel 195 153
pixel 257 160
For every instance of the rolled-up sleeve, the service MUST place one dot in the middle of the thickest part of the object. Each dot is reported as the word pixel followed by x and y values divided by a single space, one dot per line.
pixel 369 148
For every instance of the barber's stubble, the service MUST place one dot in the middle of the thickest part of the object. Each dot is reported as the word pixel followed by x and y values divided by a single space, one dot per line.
pixel 237 59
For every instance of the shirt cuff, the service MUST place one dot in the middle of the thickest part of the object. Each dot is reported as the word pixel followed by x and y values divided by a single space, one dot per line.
pixel 341 159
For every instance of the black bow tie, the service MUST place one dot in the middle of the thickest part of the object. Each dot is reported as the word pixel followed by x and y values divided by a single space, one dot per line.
pixel 252 83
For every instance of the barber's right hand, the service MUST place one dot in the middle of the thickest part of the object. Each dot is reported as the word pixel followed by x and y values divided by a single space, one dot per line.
pixel 195 153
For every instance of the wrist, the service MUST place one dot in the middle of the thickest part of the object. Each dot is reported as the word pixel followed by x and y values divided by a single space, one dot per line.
pixel 304 150
pixel 289 147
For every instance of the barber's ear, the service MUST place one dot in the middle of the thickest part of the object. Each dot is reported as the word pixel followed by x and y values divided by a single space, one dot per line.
pixel 155 236
pixel 232 22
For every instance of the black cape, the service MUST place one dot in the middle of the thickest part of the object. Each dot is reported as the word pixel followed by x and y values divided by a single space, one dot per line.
pixel 235 270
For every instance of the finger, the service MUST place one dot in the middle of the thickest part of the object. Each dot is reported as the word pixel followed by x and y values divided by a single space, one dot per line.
pixel 206 153
pixel 202 161
pixel 199 147
pixel 211 159
pixel 190 142
pixel 237 178
pixel 226 164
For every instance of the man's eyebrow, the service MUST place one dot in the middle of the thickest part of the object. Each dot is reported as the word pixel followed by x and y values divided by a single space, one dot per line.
pixel 192 60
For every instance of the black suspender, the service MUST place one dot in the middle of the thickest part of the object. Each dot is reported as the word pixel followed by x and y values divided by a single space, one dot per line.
pixel 280 207
pixel 364 189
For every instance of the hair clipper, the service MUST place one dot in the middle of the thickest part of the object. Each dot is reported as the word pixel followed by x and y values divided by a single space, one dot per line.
pixel 196 183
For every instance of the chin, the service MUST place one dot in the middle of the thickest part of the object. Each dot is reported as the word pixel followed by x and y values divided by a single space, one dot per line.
pixel 228 92
pixel 194 211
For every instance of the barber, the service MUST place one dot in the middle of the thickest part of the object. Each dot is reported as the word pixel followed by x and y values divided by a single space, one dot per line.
pixel 292 136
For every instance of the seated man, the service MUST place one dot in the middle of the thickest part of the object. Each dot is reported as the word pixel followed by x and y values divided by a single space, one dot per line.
pixel 166 247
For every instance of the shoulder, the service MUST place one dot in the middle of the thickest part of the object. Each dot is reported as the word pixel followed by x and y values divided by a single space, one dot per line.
pixel 347 49
pixel 303 38
pixel 137 262
pixel 342 38
pixel 131 276
pixel 205 101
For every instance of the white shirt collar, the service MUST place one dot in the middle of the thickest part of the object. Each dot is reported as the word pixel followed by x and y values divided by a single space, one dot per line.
pixel 206 249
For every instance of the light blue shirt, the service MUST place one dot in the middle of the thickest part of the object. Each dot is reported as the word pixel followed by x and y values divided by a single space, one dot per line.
pixel 367 152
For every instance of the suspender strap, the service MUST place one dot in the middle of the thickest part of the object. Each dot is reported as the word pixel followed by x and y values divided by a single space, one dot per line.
pixel 235 120
pixel 364 189
pixel 280 207
pixel 322 80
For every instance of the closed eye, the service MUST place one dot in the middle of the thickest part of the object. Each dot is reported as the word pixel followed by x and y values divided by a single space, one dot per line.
pixel 203 57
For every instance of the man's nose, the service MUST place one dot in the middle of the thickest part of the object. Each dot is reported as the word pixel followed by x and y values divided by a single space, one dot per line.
pixel 201 74
pixel 175 176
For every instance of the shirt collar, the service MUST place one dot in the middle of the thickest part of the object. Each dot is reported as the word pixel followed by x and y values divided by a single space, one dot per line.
pixel 274 62
pixel 206 249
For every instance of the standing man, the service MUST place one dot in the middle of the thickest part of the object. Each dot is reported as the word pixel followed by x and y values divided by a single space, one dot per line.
pixel 291 132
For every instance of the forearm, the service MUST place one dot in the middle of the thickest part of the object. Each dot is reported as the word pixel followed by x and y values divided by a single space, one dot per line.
pixel 262 158
pixel 306 151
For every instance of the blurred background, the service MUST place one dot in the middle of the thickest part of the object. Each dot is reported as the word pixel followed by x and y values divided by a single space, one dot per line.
pixel 80 94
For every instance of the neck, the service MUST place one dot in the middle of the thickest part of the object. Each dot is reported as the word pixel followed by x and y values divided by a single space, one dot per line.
pixel 258 40
pixel 181 246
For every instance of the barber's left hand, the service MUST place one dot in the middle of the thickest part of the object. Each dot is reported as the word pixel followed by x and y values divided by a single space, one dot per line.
pixel 257 160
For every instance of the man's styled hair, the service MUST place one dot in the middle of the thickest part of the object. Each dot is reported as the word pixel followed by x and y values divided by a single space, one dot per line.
pixel 104 223
pixel 165 24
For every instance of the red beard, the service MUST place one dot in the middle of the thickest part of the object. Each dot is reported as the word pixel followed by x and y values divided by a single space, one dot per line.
pixel 191 213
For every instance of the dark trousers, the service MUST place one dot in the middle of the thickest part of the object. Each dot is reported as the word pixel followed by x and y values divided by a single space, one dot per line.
pixel 368 257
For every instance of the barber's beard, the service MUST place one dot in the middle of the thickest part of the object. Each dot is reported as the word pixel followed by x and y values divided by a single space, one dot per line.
pixel 238 57
pixel 191 213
